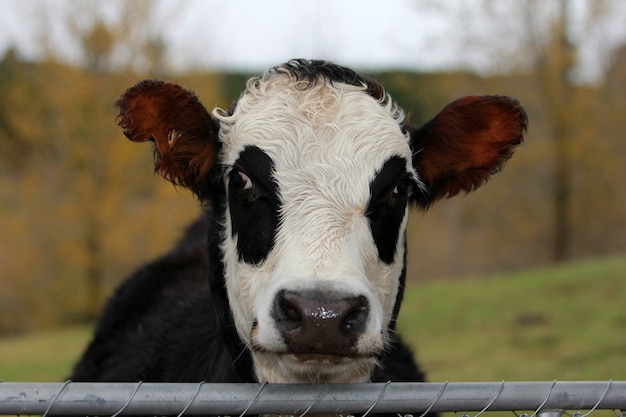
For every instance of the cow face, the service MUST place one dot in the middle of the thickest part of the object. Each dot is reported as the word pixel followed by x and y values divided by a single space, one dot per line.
pixel 317 170
pixel 318 179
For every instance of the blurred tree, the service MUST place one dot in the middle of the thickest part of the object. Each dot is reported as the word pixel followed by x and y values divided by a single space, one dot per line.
pixel 83 209
pixel 611 169
pixel 13 147
pixel 546 40
pixel 91 159
pixel 572 107
pixel 90 152
pixel 19 134
pixel 555 65
pixel 83 194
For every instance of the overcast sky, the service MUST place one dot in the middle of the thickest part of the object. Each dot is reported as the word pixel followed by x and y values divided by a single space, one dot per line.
pixel 259 33
pixel 256 34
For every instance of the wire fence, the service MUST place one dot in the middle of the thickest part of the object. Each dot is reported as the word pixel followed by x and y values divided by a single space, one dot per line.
pixel 525 399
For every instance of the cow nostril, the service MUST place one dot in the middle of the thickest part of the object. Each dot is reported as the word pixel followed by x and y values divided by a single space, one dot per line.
pixel 287 309
pixel 356 317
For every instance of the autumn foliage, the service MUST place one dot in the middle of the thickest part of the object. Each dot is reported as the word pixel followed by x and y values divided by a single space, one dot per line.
pixel 81 207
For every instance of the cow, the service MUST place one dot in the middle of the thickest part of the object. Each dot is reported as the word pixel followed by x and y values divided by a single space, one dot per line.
pixel 296 271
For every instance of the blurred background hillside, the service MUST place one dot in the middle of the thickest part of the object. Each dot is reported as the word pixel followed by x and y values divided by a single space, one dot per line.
pixel 80 207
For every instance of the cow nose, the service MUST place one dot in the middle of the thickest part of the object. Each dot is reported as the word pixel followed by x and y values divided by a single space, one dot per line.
pixel 314 323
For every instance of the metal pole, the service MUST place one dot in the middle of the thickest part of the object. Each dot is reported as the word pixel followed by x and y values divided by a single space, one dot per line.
pixel 295 399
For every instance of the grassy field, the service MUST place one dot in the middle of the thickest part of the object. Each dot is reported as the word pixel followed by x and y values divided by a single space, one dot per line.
pixel 42 357
pixel 563 323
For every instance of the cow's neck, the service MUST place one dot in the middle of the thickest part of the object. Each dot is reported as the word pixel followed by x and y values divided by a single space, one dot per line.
pixel 242 360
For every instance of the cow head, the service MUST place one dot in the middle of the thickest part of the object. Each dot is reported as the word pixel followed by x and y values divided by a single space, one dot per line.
pixel 316 169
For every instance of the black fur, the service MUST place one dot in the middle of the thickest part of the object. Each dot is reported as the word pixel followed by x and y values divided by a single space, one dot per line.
pixel 387 206
pixel 254 211
pixel 133 319
pixel 314 70
pixel 163 324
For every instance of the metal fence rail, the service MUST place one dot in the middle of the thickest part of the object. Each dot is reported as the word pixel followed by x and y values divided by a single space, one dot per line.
pixel 114 399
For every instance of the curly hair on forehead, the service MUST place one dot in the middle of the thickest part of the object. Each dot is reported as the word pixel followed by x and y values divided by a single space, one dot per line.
pixel 308 73
pixel 312 71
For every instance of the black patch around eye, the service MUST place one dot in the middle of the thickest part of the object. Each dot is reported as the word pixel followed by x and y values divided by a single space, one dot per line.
pixel 389 194
pixel 254 211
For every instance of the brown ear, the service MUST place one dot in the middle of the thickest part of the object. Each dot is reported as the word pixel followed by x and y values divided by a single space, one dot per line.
pixel 184 133
pixel 467 142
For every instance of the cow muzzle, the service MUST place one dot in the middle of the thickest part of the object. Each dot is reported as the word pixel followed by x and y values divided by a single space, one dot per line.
pixel 316 327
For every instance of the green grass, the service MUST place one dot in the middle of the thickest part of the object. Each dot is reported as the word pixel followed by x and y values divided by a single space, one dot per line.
pixel 42 357
pixel 563 323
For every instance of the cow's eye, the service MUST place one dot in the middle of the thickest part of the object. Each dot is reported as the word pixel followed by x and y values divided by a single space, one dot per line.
pixel 240 181
pixel 403 188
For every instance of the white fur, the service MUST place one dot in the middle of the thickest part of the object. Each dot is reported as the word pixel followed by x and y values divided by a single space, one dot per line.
pixel 327 143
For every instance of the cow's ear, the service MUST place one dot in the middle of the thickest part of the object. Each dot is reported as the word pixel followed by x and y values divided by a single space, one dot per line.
pixel 467 142
pixel 184 134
